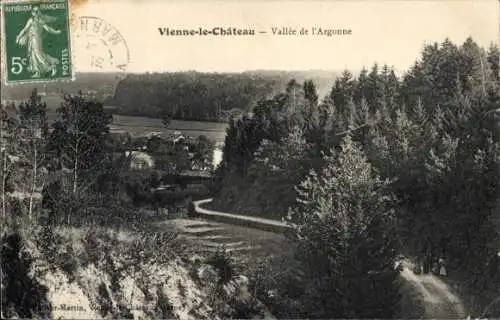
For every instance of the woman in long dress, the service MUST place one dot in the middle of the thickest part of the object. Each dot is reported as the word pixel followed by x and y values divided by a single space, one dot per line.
pixel 442 268
pixel 39 62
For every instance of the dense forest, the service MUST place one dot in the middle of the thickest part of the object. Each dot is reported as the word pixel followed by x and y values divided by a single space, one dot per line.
pixel 381 165
pixel 201 96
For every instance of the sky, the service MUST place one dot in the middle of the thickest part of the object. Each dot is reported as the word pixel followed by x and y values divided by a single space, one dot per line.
pixel 388 32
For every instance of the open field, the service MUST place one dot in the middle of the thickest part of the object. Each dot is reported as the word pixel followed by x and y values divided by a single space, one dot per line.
pixel 141 125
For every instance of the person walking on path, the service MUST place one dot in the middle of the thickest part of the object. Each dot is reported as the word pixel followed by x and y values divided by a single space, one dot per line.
pixel 442 268
pixel 427 263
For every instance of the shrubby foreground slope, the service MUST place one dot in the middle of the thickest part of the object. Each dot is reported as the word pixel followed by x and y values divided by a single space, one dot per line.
pixel 75 242
pixel 100 273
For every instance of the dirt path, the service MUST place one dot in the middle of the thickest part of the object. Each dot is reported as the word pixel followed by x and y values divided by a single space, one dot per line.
pixel 437 300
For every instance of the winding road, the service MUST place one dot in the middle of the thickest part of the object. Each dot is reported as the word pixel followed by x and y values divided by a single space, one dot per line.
pixel 423 296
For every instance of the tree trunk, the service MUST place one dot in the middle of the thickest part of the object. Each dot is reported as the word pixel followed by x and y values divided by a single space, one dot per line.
pixel 483 75
pixel 75 177
pixel 75 173
pixel 33 182
pixel 4 178
pixel 3 155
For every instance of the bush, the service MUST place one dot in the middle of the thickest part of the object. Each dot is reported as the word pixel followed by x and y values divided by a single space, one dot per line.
pixel 58 252
pixel 191 210
pixel 223 263
pixel 22 295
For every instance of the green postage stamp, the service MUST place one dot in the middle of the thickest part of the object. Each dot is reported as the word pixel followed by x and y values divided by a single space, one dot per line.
pixel 36 41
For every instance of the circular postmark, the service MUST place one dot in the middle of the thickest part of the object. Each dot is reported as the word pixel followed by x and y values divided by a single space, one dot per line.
pixel 100 46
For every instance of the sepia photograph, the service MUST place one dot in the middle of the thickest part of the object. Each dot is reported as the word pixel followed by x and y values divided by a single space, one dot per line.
pixel 251 159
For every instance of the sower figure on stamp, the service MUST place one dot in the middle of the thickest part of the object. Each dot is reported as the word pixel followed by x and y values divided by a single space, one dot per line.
pixel 39 62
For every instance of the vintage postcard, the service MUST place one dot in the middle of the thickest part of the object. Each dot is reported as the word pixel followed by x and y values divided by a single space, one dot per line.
pixel 250 159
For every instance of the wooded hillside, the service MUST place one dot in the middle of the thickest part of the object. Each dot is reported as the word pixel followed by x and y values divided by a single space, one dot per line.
pixel 202 96
pixel 432 136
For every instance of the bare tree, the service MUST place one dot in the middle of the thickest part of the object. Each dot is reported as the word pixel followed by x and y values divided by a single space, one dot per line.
pixel 3 156
pixel 78 139
pixel 32 120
